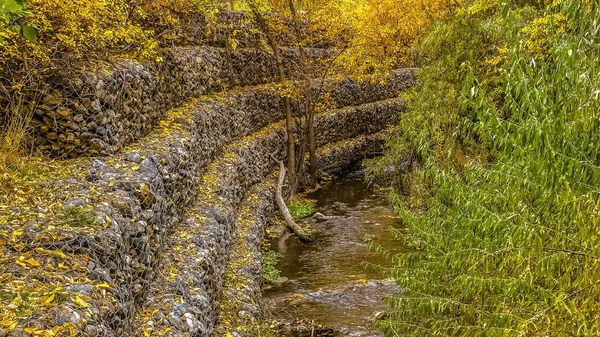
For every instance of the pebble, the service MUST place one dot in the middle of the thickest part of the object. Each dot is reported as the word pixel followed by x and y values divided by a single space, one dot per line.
pixel 280 281
pixel 74 202
pixel 18 332
pixel 85 289
pixel 179 310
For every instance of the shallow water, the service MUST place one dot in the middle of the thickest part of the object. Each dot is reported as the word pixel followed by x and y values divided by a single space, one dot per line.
pixel 327 283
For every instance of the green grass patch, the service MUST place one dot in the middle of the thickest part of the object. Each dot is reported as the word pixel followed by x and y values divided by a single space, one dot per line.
pixel 79 217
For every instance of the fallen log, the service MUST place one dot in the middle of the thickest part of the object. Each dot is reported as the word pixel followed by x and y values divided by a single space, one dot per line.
pixel 283 207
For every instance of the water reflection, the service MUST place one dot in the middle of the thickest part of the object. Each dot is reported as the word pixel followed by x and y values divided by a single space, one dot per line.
pixel 327 283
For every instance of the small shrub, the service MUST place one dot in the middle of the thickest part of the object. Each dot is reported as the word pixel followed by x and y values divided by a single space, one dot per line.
pixel 301 208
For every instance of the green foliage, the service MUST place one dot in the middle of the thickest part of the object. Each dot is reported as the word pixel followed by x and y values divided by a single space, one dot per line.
pixel 10 12
pixel 301 208
pixel 506 235
pixel 270 259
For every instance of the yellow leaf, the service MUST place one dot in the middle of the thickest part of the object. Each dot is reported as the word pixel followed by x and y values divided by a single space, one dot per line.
pixel 50 298
pixel 48 333
pixel 16 235
pixel 33 262
pixel 108 219
pixel 103 285
pixel 57 253
pixel 80 302
pixel 147 332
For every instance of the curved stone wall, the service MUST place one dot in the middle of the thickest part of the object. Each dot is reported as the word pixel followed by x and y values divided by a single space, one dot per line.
pixel 137 197
pixel 240 305
pixel 98 113
pixel 204 239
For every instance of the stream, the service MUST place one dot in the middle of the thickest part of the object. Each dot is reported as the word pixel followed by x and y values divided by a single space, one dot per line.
pixel 326 283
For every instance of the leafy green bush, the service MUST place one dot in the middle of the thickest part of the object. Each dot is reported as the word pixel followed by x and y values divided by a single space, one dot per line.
pixel 506 237
pixel 301 208
pixel 10 12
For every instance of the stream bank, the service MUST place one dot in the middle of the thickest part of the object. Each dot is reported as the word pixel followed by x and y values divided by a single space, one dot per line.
pixel 325 284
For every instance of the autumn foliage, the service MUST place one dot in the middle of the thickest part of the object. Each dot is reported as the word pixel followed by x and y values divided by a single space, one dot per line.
pixel 385 34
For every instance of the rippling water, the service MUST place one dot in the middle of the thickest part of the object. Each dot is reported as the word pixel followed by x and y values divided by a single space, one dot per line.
pixel 327 283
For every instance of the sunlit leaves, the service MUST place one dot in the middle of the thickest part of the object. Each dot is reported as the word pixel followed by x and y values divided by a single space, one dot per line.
pixel 384 34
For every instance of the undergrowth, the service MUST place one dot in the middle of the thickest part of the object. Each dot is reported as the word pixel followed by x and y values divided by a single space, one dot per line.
pixel 501 133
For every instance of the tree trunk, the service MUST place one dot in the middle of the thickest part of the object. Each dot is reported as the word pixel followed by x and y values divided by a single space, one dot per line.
pixel 291 139
pixel 312 147
pixel 309 113
pixel 283 207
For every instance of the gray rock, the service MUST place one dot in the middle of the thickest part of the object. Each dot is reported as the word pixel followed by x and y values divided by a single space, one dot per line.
pixel 301 331
pixel 179 310
pixel 134 157
pixel 280 280
pixel 176 322
pixel 62 314
pixel 190 320
pixel 101 131
pixel 96 106
pixel 92 330
pixel 74 202
pixel 85 289
pixel 319 217
pixel 18 332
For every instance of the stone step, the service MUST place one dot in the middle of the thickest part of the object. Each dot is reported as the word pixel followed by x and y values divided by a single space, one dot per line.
pixel 96 113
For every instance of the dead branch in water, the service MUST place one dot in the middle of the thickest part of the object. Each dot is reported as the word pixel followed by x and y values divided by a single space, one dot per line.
pixel 283 207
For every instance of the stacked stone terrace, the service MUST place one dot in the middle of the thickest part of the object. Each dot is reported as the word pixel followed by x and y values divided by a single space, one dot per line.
pixel 134 234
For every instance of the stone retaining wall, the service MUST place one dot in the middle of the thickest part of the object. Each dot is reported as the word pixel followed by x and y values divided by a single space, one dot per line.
pixel 241 308
pixel 205 236
pixel 98 113
pixel 136 197
pixel 212 218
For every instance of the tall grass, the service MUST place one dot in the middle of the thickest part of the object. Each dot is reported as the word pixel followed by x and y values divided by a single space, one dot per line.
pixel 13 134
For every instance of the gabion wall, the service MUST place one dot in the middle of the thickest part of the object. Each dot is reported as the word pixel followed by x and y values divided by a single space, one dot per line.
pixel 139 196
pixel 98 113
